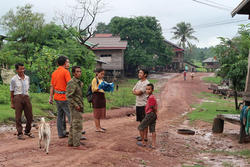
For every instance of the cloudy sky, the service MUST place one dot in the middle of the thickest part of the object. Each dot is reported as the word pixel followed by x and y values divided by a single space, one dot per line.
pixel 209 18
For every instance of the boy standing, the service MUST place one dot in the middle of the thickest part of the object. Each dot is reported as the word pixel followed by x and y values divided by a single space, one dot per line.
pixel 141 97
pixel 150 118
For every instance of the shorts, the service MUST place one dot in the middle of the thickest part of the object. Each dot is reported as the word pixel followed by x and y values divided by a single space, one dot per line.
pixel 140 113
pixel 149 120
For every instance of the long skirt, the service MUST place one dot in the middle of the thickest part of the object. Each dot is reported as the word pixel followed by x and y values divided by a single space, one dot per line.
pixel 99 105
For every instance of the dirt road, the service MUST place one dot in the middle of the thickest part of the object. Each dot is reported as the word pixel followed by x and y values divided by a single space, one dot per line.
pixel 118 146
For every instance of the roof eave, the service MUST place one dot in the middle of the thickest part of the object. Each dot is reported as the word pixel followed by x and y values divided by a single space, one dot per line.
pixel 239 7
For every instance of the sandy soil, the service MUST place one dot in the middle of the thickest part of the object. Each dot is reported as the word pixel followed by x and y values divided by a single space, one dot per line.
pixel 117 147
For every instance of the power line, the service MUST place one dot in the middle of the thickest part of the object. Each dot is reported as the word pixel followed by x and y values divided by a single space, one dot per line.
pixel 211 5
pixel 214 24
pixel 219 4
pixel 218 24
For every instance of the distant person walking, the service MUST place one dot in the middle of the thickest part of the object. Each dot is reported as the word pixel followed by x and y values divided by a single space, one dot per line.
pixel 20 101
pixel 99 101
pixel 139 91
pixel 60 78
pixel 185 75
pixel 75 100
pixel 192 75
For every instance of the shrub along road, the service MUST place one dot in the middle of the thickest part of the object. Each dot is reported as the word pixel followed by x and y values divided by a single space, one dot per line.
pixel 117 147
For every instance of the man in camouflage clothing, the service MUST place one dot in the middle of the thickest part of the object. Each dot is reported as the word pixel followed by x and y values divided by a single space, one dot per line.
pixel 75 100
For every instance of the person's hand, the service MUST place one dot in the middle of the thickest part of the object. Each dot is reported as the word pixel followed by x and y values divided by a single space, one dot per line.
pixel 50 100
pixel 12 106
pixel 78 108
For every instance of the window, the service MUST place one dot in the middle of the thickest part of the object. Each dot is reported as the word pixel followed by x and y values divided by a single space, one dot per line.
pixel 107 57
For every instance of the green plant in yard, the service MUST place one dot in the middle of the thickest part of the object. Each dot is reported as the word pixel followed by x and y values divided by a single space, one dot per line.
pixel 216 80
pixel 206 111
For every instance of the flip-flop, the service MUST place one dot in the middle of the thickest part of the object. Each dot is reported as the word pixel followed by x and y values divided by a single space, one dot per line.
pixel 101 131
pixel 150 146
pixel 30 135
pixel 140 144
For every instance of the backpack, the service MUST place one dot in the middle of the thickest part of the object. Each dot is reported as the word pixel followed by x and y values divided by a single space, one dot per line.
pixel 89 94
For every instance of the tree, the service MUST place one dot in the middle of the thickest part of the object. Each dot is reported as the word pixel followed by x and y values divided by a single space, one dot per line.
pixel 184 32
pixel 80 21
pixel 102 28
pixel 146 45
pixel 233 57
pixel 23 28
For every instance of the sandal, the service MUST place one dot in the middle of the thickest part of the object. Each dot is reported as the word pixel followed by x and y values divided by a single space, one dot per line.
pixel 20 137
pixel 140 144
pixel 30 135
pixel 152 147
pixel 101 131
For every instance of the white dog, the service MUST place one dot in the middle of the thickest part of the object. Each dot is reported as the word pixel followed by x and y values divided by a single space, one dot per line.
pixel 44 134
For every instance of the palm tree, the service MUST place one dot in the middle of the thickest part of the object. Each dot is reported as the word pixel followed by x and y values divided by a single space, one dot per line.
pixel 184 32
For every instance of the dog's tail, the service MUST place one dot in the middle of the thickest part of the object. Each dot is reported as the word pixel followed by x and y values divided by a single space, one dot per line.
pixel 42 120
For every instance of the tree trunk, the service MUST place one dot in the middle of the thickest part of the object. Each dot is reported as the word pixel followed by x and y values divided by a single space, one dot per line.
pixel 218 125
pixel 236 98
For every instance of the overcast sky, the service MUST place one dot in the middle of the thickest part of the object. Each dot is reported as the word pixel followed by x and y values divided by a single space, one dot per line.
pixel 205 20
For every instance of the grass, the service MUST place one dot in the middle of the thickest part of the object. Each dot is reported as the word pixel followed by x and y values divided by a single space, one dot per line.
pixel 121 98
pixel 216 80
pixel 206 111
pixel 201 69
pixel 241 153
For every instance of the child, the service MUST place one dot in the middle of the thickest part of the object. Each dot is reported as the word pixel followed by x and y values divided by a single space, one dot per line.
pixel 150 118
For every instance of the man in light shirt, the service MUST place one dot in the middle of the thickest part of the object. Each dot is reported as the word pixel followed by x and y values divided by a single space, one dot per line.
pixel 20 101
pixel 139 91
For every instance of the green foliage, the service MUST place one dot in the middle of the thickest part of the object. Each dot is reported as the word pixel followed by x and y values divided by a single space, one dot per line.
pixel 102 28
pixel 43 63
pixel 146 46
pixel 233 58
pixel 38 45
pixel 23 29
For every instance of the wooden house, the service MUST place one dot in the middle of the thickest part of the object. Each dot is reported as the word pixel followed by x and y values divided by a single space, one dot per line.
pixel 211 64
pixel 109 50
pixel 177 64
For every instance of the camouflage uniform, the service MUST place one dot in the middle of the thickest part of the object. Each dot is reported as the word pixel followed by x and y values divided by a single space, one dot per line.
pixel 75 98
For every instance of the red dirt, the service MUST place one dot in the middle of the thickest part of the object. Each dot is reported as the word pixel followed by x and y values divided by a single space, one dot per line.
pixel 117 147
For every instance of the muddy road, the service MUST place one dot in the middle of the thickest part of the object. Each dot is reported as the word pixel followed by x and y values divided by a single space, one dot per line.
pixel 117 147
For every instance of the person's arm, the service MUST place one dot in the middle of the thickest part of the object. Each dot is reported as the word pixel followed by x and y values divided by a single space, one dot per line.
pixel 12 99
pixel 51 94
pixel 94 85
pixel 70 90
pixel 12 88
pixel 137 92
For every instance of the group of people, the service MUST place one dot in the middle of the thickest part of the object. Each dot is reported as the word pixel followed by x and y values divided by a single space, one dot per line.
pixel 68 95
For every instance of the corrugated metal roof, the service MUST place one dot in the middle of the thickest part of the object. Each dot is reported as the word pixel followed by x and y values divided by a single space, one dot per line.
pixel 210 60
pixel 106 42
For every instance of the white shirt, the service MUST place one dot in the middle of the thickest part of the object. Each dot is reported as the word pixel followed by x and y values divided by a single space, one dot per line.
pixel 20 86
pixel 142 99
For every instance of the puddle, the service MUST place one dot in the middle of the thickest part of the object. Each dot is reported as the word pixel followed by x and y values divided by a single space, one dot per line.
pixel 207 101
pixel 222 160
pixel 6 128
